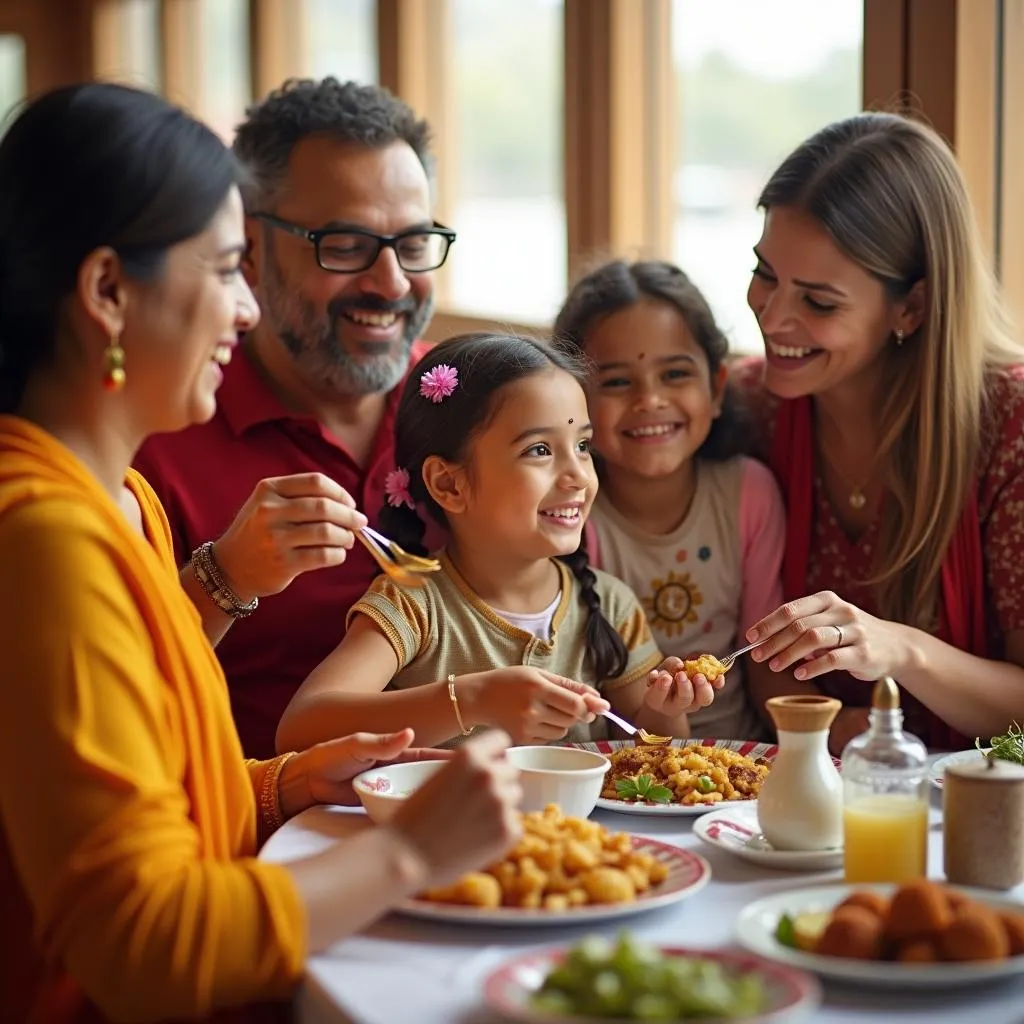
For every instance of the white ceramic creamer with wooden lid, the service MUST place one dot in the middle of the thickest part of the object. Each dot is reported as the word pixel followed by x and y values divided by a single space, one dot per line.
pixel 800 806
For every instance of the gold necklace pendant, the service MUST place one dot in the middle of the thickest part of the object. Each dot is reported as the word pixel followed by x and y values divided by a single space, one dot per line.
pixel 857 499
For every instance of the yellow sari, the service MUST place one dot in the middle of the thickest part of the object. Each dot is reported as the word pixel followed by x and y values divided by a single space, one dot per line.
pixel 128 816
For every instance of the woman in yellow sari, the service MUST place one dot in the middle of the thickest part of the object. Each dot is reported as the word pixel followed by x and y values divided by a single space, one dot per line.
pixel 129 822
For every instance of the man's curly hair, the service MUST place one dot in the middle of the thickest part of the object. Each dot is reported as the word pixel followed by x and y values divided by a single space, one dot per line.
pixel 367 115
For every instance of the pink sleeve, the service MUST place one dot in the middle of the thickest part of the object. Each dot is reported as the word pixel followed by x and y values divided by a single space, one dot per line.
pixel 762 540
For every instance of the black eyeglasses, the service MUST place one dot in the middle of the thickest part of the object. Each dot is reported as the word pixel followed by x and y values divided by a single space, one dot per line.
pixel 352 250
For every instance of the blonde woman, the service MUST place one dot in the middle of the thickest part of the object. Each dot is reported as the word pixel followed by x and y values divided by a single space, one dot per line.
pixel 892 397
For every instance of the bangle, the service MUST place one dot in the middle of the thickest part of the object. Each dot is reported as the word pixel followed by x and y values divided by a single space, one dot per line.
pixel 270 796
pixel 205 570
pixel 455 704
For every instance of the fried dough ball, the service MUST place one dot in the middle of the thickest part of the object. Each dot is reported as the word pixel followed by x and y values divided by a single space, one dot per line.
pixel 473 890
pixel 916 910
pixel 608 885
pixel 975 934
pixel 852 932
pixel 957 900
pixel 873 901
pixel 918 951
pixel 1013 925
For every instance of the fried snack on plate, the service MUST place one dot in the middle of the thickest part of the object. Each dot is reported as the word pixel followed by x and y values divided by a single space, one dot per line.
pixel 916 911
pixel 852 932
pixel 693 774
pixel 873 901
pixel 975 934
pixel 560 862
pixel 924 922
pixel 1013 925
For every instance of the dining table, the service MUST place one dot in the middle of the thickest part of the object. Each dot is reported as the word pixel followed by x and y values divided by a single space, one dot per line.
pixel 402 970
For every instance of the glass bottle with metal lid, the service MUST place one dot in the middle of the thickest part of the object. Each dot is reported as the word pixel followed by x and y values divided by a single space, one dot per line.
pixel 885 796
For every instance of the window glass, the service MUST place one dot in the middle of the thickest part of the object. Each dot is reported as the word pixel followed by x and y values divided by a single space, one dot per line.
pixel 506 162
pixel 225 78
pixel 340 39
pixel 138 44
pixel 753 79
pixel 12 76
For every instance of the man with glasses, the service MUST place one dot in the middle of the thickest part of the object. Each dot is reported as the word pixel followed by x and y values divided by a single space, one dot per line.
pixel 342 246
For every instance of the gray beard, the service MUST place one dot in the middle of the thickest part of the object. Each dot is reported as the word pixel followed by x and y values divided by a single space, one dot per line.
pixel 312 339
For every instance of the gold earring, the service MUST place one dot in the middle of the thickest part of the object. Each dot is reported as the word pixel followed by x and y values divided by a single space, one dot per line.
pixel 899 335
pixel 114 378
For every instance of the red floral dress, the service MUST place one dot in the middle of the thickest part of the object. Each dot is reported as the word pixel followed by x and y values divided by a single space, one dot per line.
pixel 838 563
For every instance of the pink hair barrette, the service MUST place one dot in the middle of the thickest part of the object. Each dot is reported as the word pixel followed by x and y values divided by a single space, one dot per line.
pixel 396 488
pixel 438 384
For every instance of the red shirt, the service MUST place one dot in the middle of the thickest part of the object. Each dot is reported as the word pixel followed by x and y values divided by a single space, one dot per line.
pixel 203 476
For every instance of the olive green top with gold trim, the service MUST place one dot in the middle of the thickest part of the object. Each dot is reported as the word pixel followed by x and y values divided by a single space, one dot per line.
pixel 443 628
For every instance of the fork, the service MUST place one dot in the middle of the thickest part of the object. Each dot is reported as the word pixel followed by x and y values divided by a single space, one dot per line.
pixel 401 566
pixel 729 660
pixel 632 730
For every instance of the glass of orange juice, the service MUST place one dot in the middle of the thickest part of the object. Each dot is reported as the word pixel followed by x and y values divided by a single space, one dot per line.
pixel 885 838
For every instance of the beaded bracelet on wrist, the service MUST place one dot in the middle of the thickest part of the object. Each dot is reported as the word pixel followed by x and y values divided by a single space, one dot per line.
pixel 205 570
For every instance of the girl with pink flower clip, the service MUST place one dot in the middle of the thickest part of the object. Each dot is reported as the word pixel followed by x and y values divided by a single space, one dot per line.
pixel 516 630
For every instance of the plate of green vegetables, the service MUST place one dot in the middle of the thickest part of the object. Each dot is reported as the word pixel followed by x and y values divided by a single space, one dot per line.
pixel 600 979
pixel 1007 747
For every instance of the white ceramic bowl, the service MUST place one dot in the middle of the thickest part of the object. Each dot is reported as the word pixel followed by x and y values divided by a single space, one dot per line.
pixel 383 789
pixel 565 776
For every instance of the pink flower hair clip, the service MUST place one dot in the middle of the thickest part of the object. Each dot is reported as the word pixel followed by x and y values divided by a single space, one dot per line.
pixel 438 384
pixel 396 488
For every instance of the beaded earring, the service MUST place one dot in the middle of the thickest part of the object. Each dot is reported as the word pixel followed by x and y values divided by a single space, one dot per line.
pixel 114 378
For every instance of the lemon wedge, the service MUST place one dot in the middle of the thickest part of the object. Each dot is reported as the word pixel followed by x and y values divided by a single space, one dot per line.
pixel 808 928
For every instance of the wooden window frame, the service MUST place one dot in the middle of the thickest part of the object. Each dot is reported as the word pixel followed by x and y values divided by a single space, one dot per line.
pixel 939 58
pixel 1010 209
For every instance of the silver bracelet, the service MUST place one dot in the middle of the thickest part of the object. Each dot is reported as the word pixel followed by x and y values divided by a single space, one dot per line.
pixel 205 570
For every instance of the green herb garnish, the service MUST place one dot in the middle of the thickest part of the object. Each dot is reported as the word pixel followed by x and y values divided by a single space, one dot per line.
pixel 785 933
pixel 1008 747
pixel 643 787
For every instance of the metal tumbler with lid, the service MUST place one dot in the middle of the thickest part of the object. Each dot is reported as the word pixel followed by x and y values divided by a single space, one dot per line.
pixel 983 823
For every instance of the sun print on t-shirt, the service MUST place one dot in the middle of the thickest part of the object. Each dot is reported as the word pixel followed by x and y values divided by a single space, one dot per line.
pixel 673 603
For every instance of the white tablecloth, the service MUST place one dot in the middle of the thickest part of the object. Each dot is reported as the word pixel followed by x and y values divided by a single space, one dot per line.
pixel 404 971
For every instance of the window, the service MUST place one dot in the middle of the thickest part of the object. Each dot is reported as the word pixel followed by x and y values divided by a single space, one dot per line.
pixel 340 39
pixel 224 70
pixel 137 60
pixel 753 80
pixel 504 166
pixel 12 76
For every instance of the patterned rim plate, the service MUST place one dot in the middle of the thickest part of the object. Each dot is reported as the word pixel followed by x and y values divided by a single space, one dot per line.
pixel 792 994
pixel 755 929
pixel 938 769
pixel 688 873
pixel 748 748
pixel 734 827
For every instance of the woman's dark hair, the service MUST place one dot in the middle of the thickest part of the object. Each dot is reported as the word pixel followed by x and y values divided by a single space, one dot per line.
pixel 618 285
pixel 486 365
pixel 87 166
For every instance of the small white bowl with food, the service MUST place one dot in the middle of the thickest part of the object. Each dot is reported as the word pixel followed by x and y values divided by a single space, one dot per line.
pixel 566 776
pixel 383 789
